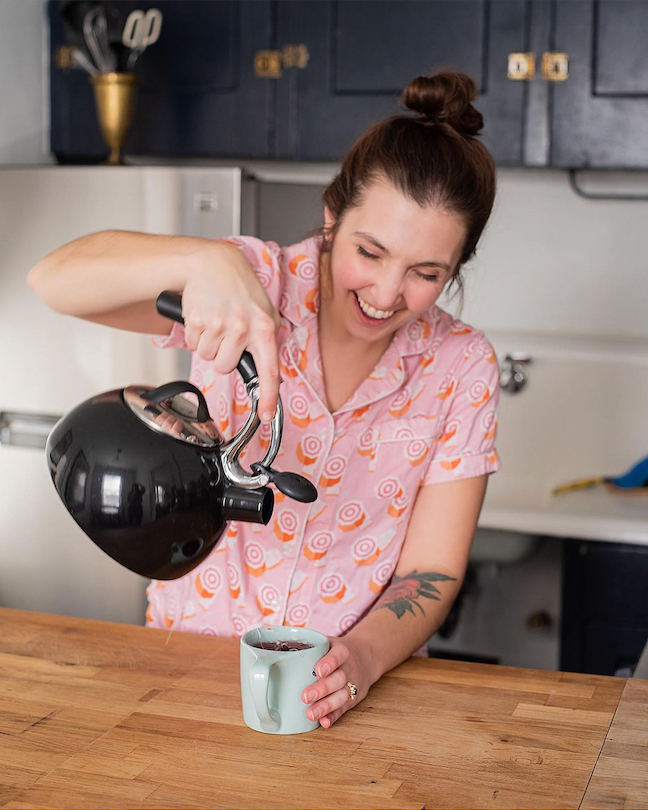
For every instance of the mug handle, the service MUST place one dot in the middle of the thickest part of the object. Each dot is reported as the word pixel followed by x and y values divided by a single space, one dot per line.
pixel 259 683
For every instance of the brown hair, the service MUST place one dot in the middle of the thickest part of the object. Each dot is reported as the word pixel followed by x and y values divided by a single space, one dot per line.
pixel 434 158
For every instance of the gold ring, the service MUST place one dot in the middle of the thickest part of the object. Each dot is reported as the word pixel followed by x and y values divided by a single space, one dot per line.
pixel 353 690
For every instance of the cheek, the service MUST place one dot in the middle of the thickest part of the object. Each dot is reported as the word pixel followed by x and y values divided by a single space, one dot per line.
pixel 348 273
pixel 421 296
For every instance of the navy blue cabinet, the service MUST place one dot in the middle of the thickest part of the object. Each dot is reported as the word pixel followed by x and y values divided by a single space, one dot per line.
pixel 362 54
pixel 600 112
pixel 197 93
pixel 201 94
pixel 301 79
pixel 605 606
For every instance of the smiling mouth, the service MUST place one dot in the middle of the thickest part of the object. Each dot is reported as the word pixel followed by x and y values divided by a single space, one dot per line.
pixel 372 312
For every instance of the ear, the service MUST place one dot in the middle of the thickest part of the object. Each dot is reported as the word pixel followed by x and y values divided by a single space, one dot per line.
pixel 329 219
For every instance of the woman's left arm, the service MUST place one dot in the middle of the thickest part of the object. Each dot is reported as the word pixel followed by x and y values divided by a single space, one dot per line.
pixel 427 579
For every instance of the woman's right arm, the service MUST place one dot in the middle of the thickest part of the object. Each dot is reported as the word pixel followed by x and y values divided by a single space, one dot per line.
pixel 115 277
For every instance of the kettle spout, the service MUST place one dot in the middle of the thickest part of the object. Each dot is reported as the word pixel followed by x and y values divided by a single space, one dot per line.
pixel 250 505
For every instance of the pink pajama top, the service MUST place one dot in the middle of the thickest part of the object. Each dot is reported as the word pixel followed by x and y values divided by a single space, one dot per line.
pixel 427 413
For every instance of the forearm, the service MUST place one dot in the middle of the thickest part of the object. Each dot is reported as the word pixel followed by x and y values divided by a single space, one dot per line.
pixel 410 610
pixel 110 271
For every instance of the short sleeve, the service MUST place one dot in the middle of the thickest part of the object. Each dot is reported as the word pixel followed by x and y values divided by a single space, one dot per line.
pixel 465 446
pixel 264 258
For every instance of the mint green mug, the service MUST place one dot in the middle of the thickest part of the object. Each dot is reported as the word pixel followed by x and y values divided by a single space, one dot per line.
pixel 272 680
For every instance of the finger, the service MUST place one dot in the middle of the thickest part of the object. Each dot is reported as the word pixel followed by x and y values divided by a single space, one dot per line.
pixel 333 659
pixel 327 722
pixel 266 359
pixel 229 354
pixel 209 344
pixel 325 687
pixel 330 704
pixel 193 330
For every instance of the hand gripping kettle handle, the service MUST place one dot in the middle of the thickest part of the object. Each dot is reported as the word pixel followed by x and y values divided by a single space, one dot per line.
pixel 169 304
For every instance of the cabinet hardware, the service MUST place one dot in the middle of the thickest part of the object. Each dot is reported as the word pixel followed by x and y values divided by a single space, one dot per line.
pixel 555 66
pixel 521 67
pixel 268 64
pixel 295 56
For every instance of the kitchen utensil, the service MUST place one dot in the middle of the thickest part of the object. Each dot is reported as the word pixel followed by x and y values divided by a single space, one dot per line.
pixel 94 39
pixel 82 61
pixel 147 476
pixel 141 30
pixel 635 478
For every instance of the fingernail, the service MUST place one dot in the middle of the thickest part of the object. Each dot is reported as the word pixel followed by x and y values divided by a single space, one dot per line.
pixel 266 416
pixel 315 713
pixel 310 697
pixel 324 670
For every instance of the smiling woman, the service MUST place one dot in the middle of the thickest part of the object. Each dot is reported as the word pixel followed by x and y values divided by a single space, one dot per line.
pixel 390 403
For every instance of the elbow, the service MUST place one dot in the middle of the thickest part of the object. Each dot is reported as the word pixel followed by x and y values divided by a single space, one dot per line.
pixel 39 280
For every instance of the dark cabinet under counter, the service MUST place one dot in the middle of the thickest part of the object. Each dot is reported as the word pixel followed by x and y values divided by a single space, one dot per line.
pixel 604 606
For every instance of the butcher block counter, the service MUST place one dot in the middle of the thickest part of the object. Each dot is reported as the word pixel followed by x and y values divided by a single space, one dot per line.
pixel 102 715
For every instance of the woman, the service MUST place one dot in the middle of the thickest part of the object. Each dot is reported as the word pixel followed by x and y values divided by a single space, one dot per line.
pixel 390 403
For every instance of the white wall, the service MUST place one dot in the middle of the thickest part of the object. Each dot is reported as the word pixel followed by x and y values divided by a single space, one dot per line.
pixel 24 92
pixel 556 263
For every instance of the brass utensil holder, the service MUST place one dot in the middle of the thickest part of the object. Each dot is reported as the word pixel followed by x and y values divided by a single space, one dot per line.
pixel 115 99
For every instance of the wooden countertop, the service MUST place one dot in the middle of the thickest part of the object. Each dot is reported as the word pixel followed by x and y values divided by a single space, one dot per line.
pixel 95 715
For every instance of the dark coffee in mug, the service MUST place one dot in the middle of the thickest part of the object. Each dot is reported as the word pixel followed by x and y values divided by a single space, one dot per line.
pixel 282 646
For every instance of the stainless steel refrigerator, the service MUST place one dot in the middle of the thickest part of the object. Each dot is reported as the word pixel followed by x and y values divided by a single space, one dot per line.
pixel 49 362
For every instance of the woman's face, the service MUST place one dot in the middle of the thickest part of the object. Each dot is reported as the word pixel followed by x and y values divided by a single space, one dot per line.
pixel 389 262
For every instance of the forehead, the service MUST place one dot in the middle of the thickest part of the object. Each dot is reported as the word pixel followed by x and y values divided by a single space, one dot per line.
pixel 405 228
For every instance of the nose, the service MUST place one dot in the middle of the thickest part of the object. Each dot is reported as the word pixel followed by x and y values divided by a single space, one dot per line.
pixel 388 290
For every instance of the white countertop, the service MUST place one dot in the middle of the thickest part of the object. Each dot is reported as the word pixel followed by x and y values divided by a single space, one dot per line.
pixel 592 514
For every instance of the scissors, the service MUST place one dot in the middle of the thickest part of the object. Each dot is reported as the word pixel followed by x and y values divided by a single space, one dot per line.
pixel 141 30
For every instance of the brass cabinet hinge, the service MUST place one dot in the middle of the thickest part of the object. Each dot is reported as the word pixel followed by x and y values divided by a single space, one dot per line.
pixel 268 64
pixel 555 66
pixel 521 66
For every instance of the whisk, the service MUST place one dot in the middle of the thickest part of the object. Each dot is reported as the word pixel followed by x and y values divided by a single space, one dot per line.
pixel 95 34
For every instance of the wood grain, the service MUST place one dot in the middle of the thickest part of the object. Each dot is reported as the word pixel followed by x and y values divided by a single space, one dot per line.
pixel 96 715
pixel 620 778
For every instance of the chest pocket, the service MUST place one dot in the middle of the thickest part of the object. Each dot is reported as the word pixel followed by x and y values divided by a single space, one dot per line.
pixel 403 445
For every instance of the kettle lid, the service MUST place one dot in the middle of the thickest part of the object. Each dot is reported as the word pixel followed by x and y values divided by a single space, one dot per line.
pixel 171 413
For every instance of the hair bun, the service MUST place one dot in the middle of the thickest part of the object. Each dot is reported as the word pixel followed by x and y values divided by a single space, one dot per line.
pixel 445 98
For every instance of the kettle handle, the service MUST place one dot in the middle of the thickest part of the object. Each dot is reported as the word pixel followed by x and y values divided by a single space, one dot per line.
pixel 169 304
pixel 168 390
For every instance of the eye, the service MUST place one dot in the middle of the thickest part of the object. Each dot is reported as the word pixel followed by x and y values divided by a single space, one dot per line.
pixel 366 253
pixel 426 277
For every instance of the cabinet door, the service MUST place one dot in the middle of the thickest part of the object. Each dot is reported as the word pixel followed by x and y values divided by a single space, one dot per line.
pixel 600 113
pixel 197 93
pixel 604 606
pixel 363 53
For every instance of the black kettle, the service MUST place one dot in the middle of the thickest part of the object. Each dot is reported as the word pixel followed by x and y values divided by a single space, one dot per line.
pixel 148 477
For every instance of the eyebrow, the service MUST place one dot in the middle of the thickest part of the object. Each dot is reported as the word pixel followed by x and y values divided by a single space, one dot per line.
pixel 375 242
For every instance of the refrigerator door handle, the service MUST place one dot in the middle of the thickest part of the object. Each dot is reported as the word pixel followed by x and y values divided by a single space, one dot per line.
pixel 24 429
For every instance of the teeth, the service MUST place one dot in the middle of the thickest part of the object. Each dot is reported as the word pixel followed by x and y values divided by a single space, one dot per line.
pixel 378 314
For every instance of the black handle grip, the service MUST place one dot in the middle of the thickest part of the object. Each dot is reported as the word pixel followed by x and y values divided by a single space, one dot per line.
pixel 169 304
pixel 169 390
